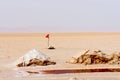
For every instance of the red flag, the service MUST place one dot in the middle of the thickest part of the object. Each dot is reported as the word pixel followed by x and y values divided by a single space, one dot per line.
pixel 47 36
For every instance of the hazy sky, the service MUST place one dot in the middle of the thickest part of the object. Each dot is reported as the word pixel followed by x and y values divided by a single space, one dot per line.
pixel 59 15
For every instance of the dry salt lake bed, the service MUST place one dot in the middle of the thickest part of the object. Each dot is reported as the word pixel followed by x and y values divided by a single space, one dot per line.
pixel 13 46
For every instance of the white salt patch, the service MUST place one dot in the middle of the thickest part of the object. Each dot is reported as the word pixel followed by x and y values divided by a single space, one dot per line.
pixel 31 55
pixel 21 74
pixel 34 54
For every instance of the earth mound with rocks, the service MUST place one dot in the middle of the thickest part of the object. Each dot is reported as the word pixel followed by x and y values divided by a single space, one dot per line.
pixel 88 57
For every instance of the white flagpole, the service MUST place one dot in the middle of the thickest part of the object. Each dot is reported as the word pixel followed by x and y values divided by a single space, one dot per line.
pixel 48 42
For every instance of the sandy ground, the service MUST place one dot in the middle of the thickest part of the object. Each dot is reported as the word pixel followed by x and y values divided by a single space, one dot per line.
pixel 13 46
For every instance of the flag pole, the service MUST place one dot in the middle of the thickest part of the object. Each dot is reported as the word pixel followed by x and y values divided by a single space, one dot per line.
pixel 48 42
pixel 47 36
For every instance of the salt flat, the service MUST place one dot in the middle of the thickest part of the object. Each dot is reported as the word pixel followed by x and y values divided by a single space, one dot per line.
pixel 13 46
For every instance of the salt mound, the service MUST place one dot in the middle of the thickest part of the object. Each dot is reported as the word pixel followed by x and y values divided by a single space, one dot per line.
pixel 33 57
pixel 35 54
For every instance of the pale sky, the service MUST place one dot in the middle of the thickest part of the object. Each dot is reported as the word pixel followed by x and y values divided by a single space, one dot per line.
pixel 59 15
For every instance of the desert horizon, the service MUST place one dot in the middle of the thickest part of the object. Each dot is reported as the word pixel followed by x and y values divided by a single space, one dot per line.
pixel 59 40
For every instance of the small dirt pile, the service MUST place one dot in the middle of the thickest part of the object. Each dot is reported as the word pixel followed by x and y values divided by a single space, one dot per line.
pixel 88 57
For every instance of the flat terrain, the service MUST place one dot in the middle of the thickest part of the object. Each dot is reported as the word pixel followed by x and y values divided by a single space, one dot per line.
pixel 13 46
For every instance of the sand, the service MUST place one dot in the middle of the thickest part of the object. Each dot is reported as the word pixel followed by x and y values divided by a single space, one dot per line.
pixel 13 46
